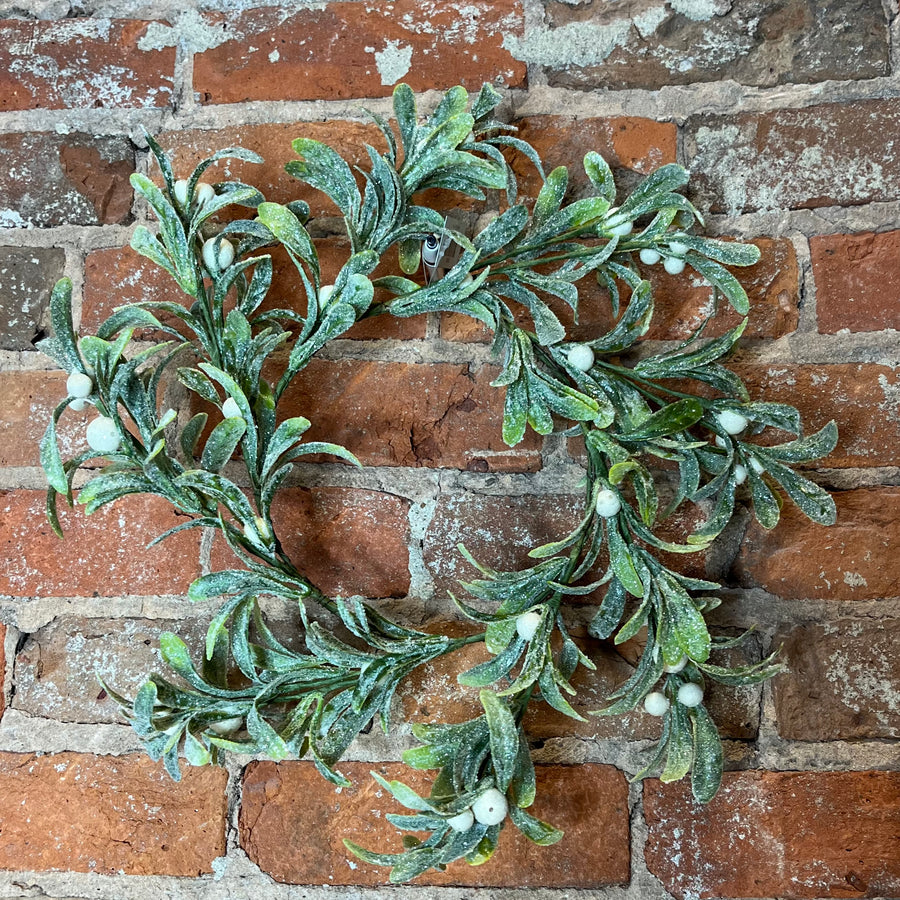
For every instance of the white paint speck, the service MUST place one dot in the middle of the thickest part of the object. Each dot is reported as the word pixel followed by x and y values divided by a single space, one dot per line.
pixel 393 62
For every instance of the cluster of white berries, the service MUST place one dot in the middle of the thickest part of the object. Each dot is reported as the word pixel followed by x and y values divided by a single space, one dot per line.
pixel 656 703
pixel 218 254
pixel 102 433
pixel 490 808
pixel 203 193
pixel 674 261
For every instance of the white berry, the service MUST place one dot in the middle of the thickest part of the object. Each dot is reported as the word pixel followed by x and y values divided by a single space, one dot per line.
pixel 103 435
pixel 527 624
pixel 756 465
pixel 181 188
pixel 676 667
pixel 79 385
pixel 690 694
pixel 580 357
pixel 490 808
pixel 733 422
pixel 462 821
pixel 608 504
pixel 656 703
pixel 673 265
pixel 325 292
pixel 203 193
pixel 721 442
pixel 740 474
pixel 226 726
pixel 230 409
pixel 678 248
pixel 215 260
pixel 650 257
pixel 78 405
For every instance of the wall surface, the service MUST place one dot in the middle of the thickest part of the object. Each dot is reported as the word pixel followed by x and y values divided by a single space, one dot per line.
pixel 787 115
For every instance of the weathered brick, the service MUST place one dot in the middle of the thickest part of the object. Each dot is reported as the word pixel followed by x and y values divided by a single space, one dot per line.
pixel 109 815
pixel 589 802
pixel 842 682
pixel 628 143
pixel 778 834
pixel 851 560
pixel 681 303
pixel 432 694
pixel 27 276
pixel 857 281
pixel 833 154
pixel 864 400
pixel 757 43
pixel 75 179
pixel 81 63
pixel 500 531
pixel 395 414
pixel 2 669
pixel 30 400
pixel 103 555
pixel 346 50
pixel 346 541
pixel 58 665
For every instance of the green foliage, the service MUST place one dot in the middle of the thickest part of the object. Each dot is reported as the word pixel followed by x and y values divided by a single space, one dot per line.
pixel 246 690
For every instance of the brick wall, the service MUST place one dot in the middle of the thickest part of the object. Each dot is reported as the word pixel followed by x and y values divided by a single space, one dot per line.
pixel 787 116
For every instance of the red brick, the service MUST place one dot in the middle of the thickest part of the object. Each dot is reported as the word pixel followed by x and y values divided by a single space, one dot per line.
pixel 102 555
pixel 395 414
pixel 27 276
pixel 83 180
pixel 589 802
pixel 857 281
pixel 336 52
pixel 432 694
pixel 863 399
pixel 118 276
pixel 681 303
pixel 625 142
pixel 833 154
pixel 791 42
pixel 842 682
pixel 58 666
pixel 346 541
pixel 109 815
pixel 851 560
pixel 778 834
pixel 31 399
pixel 81 63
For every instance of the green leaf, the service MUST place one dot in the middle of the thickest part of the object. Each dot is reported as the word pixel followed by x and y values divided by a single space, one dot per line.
pixel 51 461
pixel 504 737
pixel 610 612
pixel 535 830
pixel 680 748
pixel 324 169
pixel 288 229
pixel 721 278
pixel 806 449
pixel 687 621
pixel 621 560
pixel 494 669
pixel 813 501
pixel 670 419
pixel 601 176
pixel 550 197
pixel 222 443
pixel 502 230
pixel 708 756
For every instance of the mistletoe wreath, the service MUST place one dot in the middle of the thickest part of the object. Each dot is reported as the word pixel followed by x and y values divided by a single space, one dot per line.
pixel 676 423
